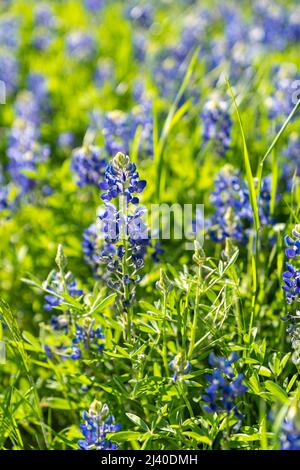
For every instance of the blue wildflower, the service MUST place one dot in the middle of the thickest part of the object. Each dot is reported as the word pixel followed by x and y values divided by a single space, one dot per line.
pixel 9 72
pixel 66 139
pixel 24 152
pixel 38 86
pixel 291 168
pixel 58 285
pixel 281 102
pixel 291 287
pixel 217 123
pixel 289 436
pixel 273 20
pixel 60 322
pixel 291 276
pixel 121 178
pixel 225 386
pixel 94 5
pixel 233 217
pixel 9 32
pixel 91 239
pixel 80 45
pixel 89 164
pixel 44 16
pixel 126 235
pixel 118 130
pixel 88 337
pixel 45 24
pixel 104 72
pixel 141 15
pixel 98 422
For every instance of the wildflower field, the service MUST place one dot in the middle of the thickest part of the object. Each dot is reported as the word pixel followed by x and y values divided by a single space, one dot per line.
pixel 149 225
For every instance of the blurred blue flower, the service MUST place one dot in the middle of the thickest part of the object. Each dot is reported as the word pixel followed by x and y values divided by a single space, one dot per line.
pixel 44 16
pixel 291 168
pixel 233 216
pixel 66 139
pixel 81 45
pixel 94 5
pixel 104 72
pixel 88 164
pixel 91 246
pixel 217 124
pixel 289 436
pixel 141 14
pixel 281 102
pixel 9 72
pixel 9 32
pixel 24 150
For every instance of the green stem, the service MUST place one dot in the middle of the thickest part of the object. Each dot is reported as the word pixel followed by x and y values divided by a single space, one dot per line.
pixel 164 353
pixel 196 312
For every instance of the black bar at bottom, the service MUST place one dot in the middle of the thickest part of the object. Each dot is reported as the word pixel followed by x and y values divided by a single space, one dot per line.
pixel 150 459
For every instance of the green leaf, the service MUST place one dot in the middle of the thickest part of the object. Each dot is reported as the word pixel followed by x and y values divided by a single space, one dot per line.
pixel 248 169
pixel 198 437
pixel 56 403
pixel 138 421
pixel 124 436
pixel 277 391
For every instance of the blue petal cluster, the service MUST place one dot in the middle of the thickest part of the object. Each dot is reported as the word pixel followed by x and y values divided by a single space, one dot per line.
pixel 233 217
pixel 225 386
pixel 45 24
pixel 282 101
pixel 217 124
pixel 291 287
pixel 94 5
pixel 291 168
pixel 278 24
pixel 121 178
pixel 9 72
pixel 125 233
pixel 91 246
pixel 59 285
pixel 80 45
pixel 291 277
pixel 290 436
pixel 88 337
pixel 9 32
pixel 88 163
pixel 98 422
pixel 24 150
pixel 141 14
pixel 119 129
